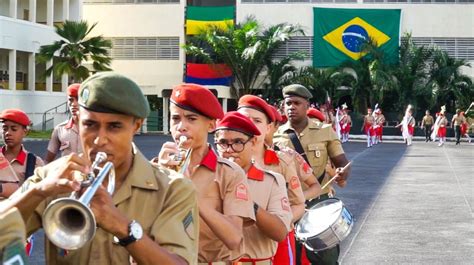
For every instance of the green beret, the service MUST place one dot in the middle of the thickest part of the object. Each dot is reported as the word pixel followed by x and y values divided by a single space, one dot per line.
pixel 111 92
pixel 297 90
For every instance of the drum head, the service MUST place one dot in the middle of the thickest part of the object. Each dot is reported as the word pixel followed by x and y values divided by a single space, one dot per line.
pixel 319 218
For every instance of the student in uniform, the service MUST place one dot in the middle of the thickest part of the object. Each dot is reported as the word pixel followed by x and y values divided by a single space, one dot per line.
pixel 235 139
pixel 14 155
pixel 65 136
pixel 262 115
pixel 319 143
pixel 221 185
pixel 152 215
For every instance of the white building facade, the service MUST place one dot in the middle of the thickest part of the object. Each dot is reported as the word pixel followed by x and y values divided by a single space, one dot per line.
pixel 25 25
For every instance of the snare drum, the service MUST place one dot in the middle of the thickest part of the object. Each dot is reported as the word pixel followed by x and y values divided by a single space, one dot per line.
pixel 324 225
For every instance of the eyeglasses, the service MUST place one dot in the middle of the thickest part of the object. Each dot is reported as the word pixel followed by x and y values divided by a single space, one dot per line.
pixel 237 146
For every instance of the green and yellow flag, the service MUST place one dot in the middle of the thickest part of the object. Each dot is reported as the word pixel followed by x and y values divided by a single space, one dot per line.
pixel 339 34
pixel 200 17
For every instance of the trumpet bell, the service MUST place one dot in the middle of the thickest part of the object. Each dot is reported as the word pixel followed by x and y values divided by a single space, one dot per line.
pixel 68 223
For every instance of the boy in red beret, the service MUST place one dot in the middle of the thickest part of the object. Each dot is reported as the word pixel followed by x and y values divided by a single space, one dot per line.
pixel 262 115
pixel 13 155
pixel 235 138
pixel 65 136
pixel 221 185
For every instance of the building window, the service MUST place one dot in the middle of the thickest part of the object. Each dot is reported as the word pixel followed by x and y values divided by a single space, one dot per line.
pixel 131 1
pixel 296 44
pixel 145 48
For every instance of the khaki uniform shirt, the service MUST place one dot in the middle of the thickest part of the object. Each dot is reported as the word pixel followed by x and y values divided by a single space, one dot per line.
pixel 65 138
pixel 163 202
pixel 12 238
pixel 428 120
pixel 18 164
pixel 229 195
pixel 303 170
pixel 268 190
pixel 283 164
pixel 319 142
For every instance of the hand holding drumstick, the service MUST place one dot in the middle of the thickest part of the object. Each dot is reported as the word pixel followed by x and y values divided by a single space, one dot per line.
pixel 341 182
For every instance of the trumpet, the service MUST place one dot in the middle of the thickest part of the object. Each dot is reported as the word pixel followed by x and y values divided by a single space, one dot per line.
pixel 183 156
pixel 69 222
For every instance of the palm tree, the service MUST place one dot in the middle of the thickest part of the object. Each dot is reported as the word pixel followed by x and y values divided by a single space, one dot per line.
pixel 245 48
pixel 449 85
pixel 412 75
pixel 74 49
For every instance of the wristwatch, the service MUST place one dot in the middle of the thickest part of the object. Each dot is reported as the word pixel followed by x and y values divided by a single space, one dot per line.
pixel 255 208
pixel 135 232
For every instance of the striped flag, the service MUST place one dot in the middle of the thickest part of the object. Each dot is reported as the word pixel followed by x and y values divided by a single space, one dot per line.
pixel 199 18
pixel 208 74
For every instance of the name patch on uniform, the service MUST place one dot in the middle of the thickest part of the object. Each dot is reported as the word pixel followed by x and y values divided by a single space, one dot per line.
pixel 241 192
pixel 285 205
pixel 188 225
pixel 14 254
pixel 294 182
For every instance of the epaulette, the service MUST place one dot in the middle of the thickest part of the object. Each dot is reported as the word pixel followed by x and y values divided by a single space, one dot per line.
pixel 229 163
pixel 278 177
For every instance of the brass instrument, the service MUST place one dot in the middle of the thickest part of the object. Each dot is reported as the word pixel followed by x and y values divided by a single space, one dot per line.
pixel 183 156
pixel 69 222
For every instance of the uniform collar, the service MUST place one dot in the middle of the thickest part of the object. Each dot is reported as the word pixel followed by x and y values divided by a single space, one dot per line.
pixel 20 158
pixel 141 175
pixel 255 173
pixel 287 126
pixel 70 124
pixel 210 160
pixel 270 157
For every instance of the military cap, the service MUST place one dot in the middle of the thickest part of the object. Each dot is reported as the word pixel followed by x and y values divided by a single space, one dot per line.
pixel 73 89
pixel 111 92
pixel 235 121
pixel 197 99
pixel 15 115
pixel 254 102
pixel 277 114
pixel 315 113
pixel 296 90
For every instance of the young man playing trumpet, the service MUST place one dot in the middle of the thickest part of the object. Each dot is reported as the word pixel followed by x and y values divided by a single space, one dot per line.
pixel 221 185
pixel 235 139
pixel 151 218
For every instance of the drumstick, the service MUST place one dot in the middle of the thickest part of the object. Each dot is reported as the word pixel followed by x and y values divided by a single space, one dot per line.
pixel 335 176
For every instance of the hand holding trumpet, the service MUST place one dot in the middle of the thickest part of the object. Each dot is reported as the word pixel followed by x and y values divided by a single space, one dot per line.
pixel 172 155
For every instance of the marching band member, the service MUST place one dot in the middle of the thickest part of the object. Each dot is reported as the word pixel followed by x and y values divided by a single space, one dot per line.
pixel 262 115
pixel 368 129
pixel 152 216
pixel 13 154
pixel 222 188
pixel 235 139
pixel 345 123
pixel 318 142
pixel 440 126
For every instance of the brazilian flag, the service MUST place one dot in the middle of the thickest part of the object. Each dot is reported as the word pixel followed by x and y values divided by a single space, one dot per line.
pixel 339 34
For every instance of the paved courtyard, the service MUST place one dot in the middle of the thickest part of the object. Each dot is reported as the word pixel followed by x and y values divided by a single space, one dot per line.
pixel 412 205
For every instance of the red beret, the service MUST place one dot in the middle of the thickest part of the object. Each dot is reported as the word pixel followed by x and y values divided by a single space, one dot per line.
pixel 277 114
pixel 235 121
pixel 284 119
pixel 254 102
pixel 314 113
pixel 73 89
pixel 197 99
pixel 15 115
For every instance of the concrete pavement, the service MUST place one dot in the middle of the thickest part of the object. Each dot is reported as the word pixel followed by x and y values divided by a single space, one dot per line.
pixel 413 205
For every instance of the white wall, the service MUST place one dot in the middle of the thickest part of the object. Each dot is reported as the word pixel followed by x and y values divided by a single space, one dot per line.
pixel 23 35
pixel 136 20
pixel 33 103
pixel 152 76
pixel 423 20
